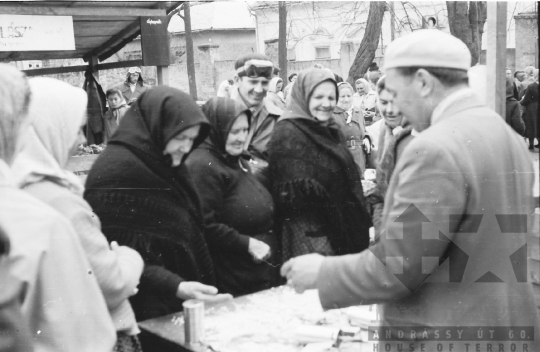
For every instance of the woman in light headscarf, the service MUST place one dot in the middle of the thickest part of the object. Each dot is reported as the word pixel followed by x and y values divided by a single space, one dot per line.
pixel 61 303
pixel 365 99
pixel 352 124
pixel 315 182
pixel 57 113
pixel 275 95
pixel 238 210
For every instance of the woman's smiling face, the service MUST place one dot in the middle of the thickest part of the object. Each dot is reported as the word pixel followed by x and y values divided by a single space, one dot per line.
pixel 323 101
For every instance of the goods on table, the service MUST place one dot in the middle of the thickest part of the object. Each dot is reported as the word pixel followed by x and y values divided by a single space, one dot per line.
pixel 274 320
pixel 91 149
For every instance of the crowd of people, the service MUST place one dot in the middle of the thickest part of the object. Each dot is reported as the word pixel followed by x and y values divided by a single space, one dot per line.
pixel 262 186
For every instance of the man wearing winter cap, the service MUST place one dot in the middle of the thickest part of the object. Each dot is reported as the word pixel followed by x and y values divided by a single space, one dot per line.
pixel 253 74
pixel 133 86
pixel 453 251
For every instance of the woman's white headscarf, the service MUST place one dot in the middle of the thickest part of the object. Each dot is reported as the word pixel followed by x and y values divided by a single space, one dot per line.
pixel 56 113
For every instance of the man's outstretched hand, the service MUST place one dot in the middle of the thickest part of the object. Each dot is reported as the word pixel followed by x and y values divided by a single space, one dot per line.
pixel 301 272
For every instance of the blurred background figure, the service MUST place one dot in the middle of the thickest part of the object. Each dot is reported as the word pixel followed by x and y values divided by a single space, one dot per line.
pixel 141 191
pixel 316 184
pixel 61 304
pixel 528 78
pixel 513 111
pixel 224 89
pixel 275 95
pixel 287 90
pixel 238 210
pixel 133 87
pixel 352 124
pixel 395 135
pixel 365 99
pixel 117 109
pixel 530 112
pixel 57 114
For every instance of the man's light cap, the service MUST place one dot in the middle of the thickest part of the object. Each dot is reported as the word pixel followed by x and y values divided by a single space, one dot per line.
pixel 428 48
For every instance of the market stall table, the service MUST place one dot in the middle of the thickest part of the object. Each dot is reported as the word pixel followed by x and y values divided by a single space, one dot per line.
pixel 277 320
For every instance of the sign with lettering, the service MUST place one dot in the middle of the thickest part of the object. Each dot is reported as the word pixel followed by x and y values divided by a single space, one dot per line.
pixel 155 41
pixel 36 33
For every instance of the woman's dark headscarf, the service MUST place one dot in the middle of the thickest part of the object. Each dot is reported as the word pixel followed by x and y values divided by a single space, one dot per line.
pixel 302 90
pixel 157 116
pixel 222 113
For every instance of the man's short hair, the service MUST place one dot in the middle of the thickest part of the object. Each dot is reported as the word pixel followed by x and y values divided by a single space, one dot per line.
pixel 517 73
pixel 113 91
pixel 292 75
pixel 254 57
pixel 508 68
pixel 381 85
pixel 449 77
pixel 15 98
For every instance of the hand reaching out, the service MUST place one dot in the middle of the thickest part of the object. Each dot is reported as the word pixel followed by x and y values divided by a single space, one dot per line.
pixel 259 250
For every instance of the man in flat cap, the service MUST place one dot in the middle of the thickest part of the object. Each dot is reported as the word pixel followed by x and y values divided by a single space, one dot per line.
pixel 453 250
pixel 133 86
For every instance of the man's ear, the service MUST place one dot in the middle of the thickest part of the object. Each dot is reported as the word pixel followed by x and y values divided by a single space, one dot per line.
pixel 236 80
pixel 424 82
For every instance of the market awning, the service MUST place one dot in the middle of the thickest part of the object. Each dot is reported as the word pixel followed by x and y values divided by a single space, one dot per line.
pixel 100 28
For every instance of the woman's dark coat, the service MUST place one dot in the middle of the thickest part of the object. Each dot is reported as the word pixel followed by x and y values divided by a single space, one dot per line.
pixel 145 203
pixel 315 182
pixel 513 110
pixel 235 205
pixel 530 113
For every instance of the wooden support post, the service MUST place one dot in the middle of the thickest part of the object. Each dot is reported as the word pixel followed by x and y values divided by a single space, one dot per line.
pixel 282 43
pixel 163 75
pixel 93 66
pixel 496 56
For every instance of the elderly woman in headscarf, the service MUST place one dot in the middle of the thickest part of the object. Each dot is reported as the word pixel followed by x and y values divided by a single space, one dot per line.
pixel 530 111
pixel 238 210
pixel 46 272
pixel 275 95
pixel 395 135
pixel 57 116
pixel 365 99
pixel 352 124
pixel 316 184
pixel 141 190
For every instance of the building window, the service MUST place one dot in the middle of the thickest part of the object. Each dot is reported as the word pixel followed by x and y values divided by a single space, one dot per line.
pixel 322 52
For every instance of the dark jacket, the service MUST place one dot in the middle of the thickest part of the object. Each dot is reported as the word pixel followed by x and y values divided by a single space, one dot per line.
pixel 315 182
pixel 236 206
pixel 263 119
pixel 513 110
pixel 145 203
pixel 530 112
pixel 125 88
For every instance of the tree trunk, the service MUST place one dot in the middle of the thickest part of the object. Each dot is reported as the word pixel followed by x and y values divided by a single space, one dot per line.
pixel 282 42
pixel 466 21
pixel 368 46
pixel 190 60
